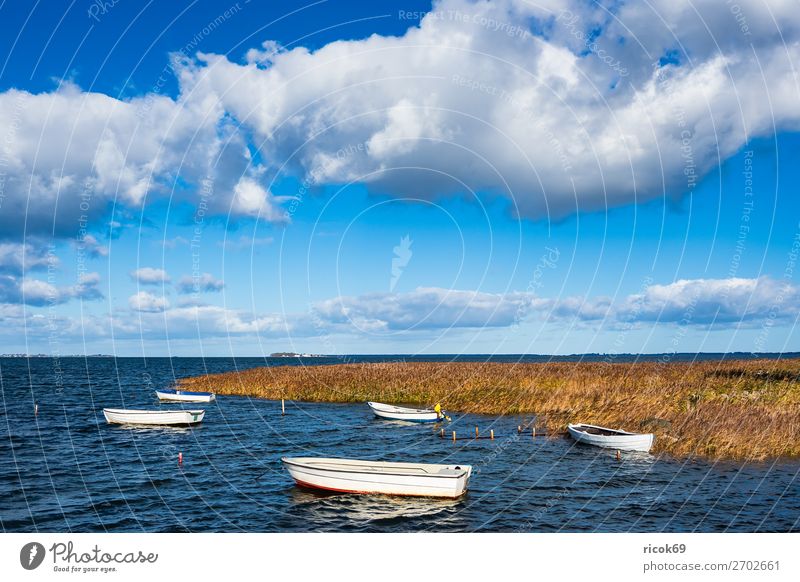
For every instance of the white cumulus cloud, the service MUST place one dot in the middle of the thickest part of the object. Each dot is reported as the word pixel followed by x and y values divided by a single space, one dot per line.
pixel 605 104
pixel 38 293
pixel 706 301
pixel 206 282
pixel 150 276
pixel 465 101
pixel 17 258
pixel 148 302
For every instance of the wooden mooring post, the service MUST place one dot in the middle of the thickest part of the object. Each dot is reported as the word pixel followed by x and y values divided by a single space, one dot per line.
pixel 477 436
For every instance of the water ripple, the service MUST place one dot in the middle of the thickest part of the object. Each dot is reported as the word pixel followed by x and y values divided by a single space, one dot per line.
pixel 67 470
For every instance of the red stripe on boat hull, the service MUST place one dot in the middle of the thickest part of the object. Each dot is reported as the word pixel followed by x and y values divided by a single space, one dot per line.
pixel 320 488
pixel 312 486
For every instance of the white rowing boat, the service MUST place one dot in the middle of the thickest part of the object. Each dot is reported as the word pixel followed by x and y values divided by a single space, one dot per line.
pixel 154 417
pixel 377 477
pixel 184 396
pixel 400 413
pixel 610 438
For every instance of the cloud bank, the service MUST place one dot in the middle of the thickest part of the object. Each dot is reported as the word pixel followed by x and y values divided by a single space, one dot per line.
pixel 696 303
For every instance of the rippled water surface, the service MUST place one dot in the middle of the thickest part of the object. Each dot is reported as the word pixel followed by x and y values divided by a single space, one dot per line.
pixel 67 470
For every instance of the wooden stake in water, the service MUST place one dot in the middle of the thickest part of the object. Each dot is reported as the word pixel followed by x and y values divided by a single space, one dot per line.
pixel 441 434
pixel 491 434
pixel 519 428
pixel 619 456
pixel 180 458
pixel 283 408
pixel 533 432
pixel 454 436
pixel 476 432
pixel 36 410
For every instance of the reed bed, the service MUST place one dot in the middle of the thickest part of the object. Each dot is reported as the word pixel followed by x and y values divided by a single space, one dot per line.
pixel 742 409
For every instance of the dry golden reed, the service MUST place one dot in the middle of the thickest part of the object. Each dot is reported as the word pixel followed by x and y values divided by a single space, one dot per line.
pixel 742 409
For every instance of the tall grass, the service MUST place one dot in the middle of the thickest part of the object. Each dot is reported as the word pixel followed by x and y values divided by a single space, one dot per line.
pixel 745 409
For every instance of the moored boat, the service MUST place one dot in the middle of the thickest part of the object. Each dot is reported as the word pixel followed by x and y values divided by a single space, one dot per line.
pixel 611 438
pixel 391 412
pixel 168 395
pixel 378 477
pixel 154 417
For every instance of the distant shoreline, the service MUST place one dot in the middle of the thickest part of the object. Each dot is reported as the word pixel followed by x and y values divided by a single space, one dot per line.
pixel 587 357
pixel 746 409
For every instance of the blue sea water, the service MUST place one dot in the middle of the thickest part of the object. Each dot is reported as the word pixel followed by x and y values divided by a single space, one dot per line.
pixel 66 470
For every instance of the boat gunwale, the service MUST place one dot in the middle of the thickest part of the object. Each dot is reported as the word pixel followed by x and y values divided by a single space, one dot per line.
pixel 183 392
pixel 158 412
pixel 400 409
pixel 289 461
pixel 615 431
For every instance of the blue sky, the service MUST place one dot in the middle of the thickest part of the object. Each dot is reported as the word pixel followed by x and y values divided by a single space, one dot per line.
pixel 330 177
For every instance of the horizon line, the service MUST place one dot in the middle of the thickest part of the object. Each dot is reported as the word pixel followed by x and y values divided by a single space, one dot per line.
pixel 411 355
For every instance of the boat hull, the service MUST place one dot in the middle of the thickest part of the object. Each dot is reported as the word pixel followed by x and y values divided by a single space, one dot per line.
pixel 182 396
pixel 343 476
pixel 389 412
pixel 621 442
pixel 154 417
